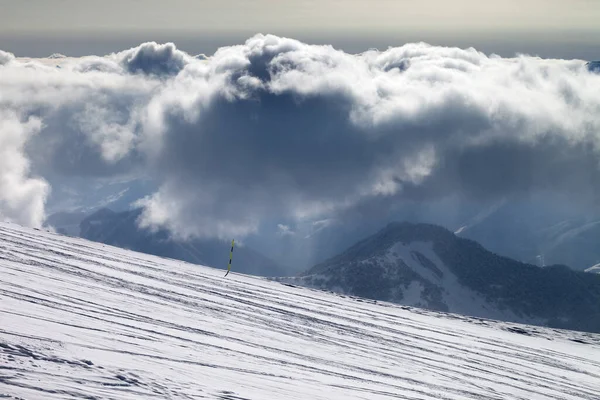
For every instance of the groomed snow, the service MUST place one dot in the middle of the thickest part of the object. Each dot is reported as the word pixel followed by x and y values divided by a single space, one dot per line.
pixel 82 320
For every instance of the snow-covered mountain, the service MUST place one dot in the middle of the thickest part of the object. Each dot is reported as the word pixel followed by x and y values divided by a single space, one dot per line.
pixel 428 266
pixel 81 319
pixel 594 269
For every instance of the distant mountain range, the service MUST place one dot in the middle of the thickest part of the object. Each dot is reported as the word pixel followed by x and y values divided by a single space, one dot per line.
pixel 537 233
pixel 538 229
pixel 120 229
pixel 428 266
pixel 67 222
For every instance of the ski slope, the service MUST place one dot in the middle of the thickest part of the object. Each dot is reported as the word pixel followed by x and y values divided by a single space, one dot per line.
pixel 80 319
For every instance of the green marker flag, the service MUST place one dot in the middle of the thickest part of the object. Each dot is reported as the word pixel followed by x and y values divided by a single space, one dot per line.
pixel 230 257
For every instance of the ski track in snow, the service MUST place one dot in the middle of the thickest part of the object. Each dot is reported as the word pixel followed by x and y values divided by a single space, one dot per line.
pixel 83 320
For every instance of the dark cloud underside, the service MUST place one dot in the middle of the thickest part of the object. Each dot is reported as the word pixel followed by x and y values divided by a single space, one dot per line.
pixel 278 128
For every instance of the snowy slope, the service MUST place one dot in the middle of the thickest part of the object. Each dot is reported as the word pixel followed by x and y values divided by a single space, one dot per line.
pixel 82 320
pixel 417 277
pixel 428 266
pixel 422 259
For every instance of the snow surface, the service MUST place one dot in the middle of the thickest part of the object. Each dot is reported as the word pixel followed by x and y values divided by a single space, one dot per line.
pixel 594 269
pixel 458 298
pixel 80 319
pixel 459 230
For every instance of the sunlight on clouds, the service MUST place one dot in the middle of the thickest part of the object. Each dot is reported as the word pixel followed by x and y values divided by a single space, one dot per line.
pixel 276 128
pixel 22 197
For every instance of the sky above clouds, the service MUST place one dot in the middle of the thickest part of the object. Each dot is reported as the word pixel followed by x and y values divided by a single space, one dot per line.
pixel 274 128
pixel 298 15
pixel 548 28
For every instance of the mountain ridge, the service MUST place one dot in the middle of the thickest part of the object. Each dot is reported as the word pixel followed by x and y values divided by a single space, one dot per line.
pixel 429 266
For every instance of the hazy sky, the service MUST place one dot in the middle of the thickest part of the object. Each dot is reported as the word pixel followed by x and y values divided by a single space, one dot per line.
pixel 548 28
pixel 302 15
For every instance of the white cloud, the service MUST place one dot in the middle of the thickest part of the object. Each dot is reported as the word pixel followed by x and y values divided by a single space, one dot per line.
pixel 5 57
pixel 22 197
pixel 318 226
pixel 284 230
pixel 278 128
pixel 153 59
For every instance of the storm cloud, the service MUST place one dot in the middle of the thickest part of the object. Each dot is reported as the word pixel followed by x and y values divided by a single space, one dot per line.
pixel 278 128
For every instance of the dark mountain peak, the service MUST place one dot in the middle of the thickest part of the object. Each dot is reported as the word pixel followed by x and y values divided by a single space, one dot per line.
pixel 429 266
pixel 393 233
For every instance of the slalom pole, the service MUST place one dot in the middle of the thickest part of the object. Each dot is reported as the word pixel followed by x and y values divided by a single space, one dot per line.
pixel 230 257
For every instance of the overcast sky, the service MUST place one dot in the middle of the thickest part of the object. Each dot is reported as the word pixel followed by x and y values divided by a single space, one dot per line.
pixel 302 15
pixel 549 28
